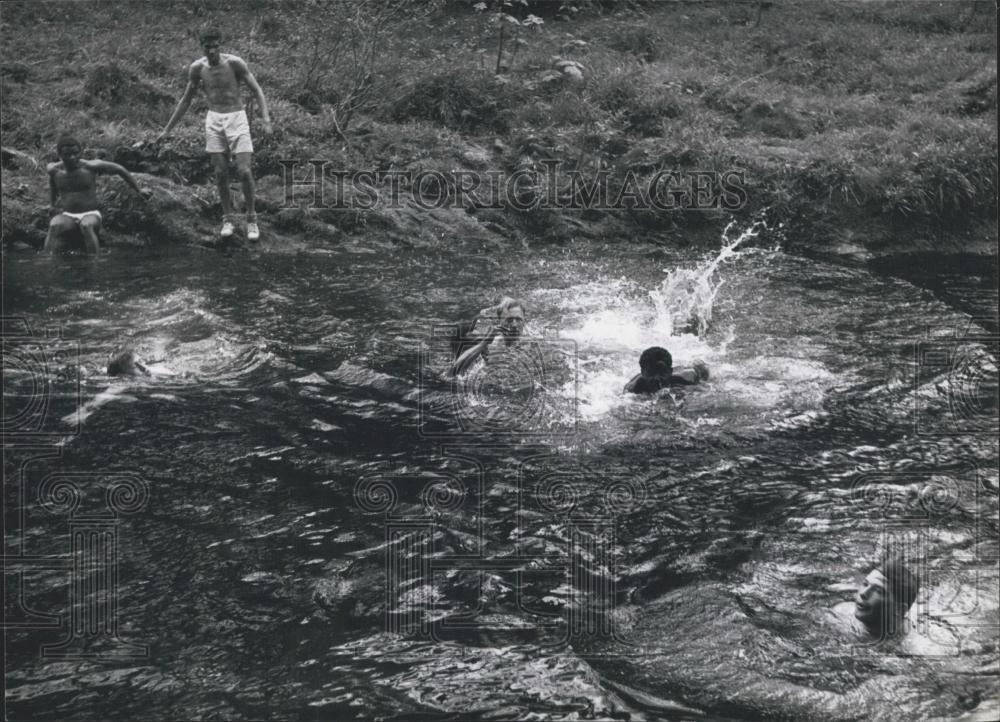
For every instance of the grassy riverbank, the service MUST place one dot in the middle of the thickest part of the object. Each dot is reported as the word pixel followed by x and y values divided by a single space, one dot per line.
pixel 862 121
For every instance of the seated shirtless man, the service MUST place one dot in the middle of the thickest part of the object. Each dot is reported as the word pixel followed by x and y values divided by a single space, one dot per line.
pixel 226 127
pixel 657 371
pixel 74 181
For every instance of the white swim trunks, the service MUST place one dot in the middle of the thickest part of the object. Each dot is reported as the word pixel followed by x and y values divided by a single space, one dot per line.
pixel 227 132
pixel 80 216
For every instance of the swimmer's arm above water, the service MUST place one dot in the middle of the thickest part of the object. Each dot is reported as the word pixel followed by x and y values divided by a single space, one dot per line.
pixel 698 371
pixel 471 354
pixel 684 377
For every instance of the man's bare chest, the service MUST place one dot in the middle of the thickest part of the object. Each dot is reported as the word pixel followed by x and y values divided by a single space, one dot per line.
pixel 74 181
pixel 220 79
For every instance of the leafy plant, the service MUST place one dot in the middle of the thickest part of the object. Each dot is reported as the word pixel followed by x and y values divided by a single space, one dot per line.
pixel 344 41
pixel 504 17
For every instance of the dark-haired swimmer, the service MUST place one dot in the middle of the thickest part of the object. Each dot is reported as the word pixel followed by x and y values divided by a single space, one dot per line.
pixel 885 598
pixel 656 371
pixel 124 362
pixel 506 327
pixel 880 611
pixel 73 180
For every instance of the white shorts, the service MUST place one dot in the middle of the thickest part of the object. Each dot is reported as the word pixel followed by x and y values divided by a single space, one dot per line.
pixel 227 132
pixel 80 216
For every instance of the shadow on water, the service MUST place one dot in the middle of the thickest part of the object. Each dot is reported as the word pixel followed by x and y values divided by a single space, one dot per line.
pixel 335 530
pixel 967 282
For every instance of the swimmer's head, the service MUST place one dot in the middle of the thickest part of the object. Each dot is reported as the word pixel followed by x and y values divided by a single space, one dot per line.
pixel 122 363
pixel 885 597
pixel 656 361
pixel 510 317
pixel 210 39
pixel 68 150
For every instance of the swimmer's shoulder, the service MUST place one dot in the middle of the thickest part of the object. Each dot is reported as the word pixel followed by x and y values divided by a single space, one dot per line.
pixel 640 385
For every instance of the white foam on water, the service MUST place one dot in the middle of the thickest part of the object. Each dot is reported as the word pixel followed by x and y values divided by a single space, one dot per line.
pixel 771 381
pixel 616 319
pixel 115 392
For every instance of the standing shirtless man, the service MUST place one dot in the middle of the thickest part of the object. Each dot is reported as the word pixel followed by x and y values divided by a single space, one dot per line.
pixel 226 127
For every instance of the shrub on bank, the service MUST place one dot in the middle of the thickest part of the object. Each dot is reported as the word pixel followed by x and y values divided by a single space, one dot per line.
pixel 467 100
pixel 117 93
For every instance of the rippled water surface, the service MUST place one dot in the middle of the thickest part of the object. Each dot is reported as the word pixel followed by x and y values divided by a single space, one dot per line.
pixel 333 530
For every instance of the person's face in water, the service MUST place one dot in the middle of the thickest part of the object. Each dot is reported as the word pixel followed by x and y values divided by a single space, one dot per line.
pixel 211 50
pixel 658 371
pixel 872 604
pixel 122 363
pixel 512 323
pixel 70 156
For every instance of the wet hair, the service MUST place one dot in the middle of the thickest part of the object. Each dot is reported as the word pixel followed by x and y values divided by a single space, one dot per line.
pixel 121 362
pixel 462 336
pixel 903 584
pixel 210 34
pixel 66 140
pixel 507 303
pixel 657 361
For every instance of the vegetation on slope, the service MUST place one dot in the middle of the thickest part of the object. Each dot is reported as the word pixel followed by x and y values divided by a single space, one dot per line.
pixel 879 116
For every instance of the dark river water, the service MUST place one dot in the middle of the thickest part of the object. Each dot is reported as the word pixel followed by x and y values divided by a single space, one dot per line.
pixel 303 519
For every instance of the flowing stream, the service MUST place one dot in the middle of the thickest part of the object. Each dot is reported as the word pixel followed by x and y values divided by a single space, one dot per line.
pixel 332 529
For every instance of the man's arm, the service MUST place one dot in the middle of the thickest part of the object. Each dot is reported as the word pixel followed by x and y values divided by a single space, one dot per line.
pixel 194 78
pixel 471 354
pixel 53 188
pixel 690 376
pixel 108 168
pixel 243 73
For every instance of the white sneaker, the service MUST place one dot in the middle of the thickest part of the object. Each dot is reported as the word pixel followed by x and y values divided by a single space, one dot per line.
pixel 227 229
pixel 253 232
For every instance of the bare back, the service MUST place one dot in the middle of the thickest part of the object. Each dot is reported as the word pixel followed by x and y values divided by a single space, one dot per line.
pixel 221 82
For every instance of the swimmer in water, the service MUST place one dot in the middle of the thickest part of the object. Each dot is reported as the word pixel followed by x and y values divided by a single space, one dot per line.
pixel 506 328
pixel 880 608
pixel 656 371
pixel 73 181
pixel 885 598
pixel 125 362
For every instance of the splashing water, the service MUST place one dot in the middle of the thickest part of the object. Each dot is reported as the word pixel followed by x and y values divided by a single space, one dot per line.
pixel 685 299
pixel 616 323
pixel 811 406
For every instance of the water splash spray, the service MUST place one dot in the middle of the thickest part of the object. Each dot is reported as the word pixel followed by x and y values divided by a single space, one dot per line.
pixel 614 322
pixel 684 300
